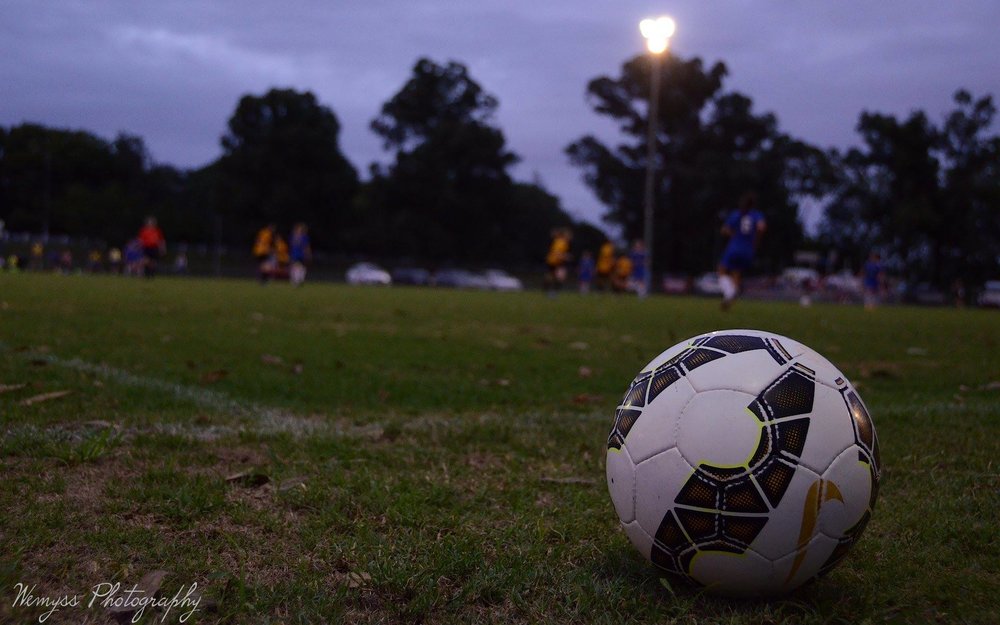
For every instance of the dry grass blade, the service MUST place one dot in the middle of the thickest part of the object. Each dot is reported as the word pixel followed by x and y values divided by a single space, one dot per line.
pixel 37 399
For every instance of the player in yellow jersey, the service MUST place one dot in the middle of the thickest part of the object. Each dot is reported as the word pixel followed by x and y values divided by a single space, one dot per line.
pixel 622 275
pixel 264 252
pixel 557 259
pixel 605 265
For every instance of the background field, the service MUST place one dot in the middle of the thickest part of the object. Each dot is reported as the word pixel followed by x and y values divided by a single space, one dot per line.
pixel 434 456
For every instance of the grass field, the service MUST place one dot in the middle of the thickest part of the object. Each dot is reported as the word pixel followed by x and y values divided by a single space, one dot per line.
pixel 405 455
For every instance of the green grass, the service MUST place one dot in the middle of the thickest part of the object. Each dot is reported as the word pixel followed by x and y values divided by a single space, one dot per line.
pixel 416 446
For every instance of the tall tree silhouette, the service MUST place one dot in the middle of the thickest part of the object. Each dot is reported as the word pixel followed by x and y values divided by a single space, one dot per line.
pixel 710 148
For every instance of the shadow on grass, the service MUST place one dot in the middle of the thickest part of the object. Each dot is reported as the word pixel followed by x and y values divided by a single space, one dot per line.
pixel 824 600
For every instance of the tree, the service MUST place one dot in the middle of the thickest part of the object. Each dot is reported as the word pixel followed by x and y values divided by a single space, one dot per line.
pixel 282 163
pixel 447 195
pixel 710 148
pixel 927 196
pixel 71 182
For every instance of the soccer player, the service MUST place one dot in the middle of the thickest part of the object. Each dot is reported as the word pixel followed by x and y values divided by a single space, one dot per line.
pixel 744 228
pixel 639 277
pixel 622 274
pixel 605 265
pixel 263 251
pixel 95 261
pixel 37 262
pixel 115 260
pixel 585 272
pixel 301 253
pixel 873 280
pixel 153 246
pixel 556 259
pixel 133 258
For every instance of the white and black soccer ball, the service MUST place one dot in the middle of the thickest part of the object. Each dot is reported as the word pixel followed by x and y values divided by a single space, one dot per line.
pixel 743 461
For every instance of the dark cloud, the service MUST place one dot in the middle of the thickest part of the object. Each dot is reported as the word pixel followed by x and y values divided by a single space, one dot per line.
pixel 172 71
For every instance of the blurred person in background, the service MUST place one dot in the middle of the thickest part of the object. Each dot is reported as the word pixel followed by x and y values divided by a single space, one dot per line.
pixel 585 272
pixel 873 281
pixel 300 254
pixel 622 274
pixel 181 260
pixel 154 246
pixel 744 228
pixel 133 258
pixel 36 256
pixel 264 252
pixel 639 278
pixel 556 260
pixel 65 263
pixel 605 265
pixel 115 260
pixel 95 261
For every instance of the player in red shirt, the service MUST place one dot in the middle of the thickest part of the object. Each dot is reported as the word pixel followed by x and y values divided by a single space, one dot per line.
pixel 153 246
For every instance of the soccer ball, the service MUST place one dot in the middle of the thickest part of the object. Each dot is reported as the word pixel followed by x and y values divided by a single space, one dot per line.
pixel 743 461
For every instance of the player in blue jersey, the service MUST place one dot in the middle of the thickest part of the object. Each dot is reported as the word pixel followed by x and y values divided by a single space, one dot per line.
pixel 744 228
pixel 873 280
pixel 639 277
pixel 301 254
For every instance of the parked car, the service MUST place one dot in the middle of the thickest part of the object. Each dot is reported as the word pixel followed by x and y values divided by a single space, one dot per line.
pixel 500 280
pixel 460 279
pixel 990 295
pixel 368 273
pixel 708 284
pixel 411 275
pixel 799 277
pixel 845 283
pixel 924 293
pixel 674 284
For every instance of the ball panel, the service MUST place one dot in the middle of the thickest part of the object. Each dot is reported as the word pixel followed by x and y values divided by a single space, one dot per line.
pixel 657 482
pixel 790 347
pixel 790 522
pixel 830 430
pixel 717 429
pixel 826 372
pixel 803 564
pixel 621 483
pixel 655 431
pixel 744 574
pixel 748 371
pixel 639 538
pixel 851 473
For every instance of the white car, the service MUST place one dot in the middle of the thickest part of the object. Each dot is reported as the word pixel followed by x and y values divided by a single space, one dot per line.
pixel 459 279
pixel 500 280
pixel 991 294
pixel 843 282
pixel 708 284
pixel 368 273
pixel 799 276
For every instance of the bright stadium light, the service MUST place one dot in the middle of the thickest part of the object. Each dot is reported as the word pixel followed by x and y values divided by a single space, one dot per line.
pixel 657 33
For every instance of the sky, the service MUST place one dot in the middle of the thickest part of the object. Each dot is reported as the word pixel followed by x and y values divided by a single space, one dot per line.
pixel 172 71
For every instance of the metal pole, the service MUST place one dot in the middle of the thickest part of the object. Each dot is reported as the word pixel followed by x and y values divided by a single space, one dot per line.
pixel 654 97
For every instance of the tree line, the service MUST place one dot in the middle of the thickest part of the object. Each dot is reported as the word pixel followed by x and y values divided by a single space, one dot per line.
pixel 924 194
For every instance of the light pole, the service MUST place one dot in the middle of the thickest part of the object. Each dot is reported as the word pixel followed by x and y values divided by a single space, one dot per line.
pixel 657 33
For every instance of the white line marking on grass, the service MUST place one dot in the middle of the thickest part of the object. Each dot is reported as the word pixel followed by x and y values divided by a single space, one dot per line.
pixel 262 419
pixel 265 419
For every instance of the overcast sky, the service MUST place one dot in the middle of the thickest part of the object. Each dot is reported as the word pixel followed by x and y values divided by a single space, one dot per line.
pixel 171 71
